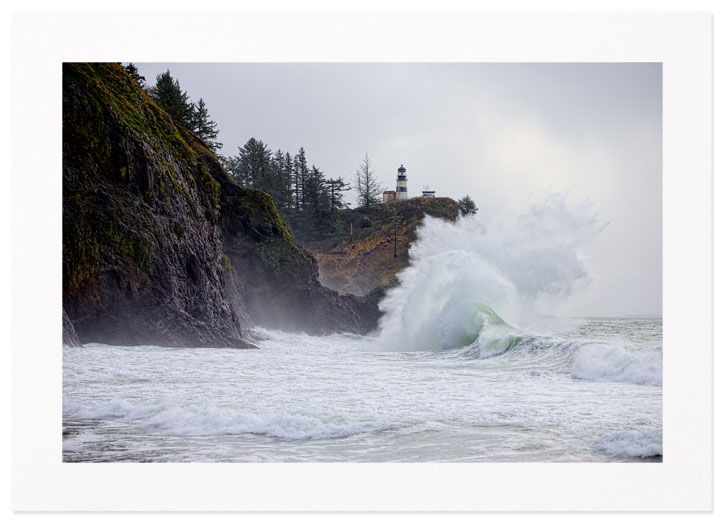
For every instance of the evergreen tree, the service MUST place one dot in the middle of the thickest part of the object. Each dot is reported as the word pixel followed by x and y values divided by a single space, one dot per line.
pixel 132 70
pixel 466 205
pixel 299 179
pixel 288 170
pixel 203 127
pixel 277 183
pixel 231 164
pixel 317 200
pixel 253 164
pixel 337 187
pixel 167 93
pixel 308 202
pixel 367 187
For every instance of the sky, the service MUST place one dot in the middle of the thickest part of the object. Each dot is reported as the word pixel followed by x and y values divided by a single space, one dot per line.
pixel 507 134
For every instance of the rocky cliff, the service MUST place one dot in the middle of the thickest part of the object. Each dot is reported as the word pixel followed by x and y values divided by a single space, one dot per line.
pixel 277 277
pixel 159 245
pixel 365 260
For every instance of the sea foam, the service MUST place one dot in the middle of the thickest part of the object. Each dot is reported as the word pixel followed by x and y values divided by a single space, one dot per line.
pixel 610 362
pixel 632 443
pixel 224 421
pixel 507 264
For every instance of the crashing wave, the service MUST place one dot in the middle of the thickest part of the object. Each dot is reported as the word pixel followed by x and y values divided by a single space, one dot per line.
pixel 510 263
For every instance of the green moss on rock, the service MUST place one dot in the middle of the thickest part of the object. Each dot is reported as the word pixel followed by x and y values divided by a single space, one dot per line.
pixel 141 242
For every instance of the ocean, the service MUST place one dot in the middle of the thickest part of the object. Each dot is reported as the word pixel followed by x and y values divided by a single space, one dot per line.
pixel 472 361
pixel 592 392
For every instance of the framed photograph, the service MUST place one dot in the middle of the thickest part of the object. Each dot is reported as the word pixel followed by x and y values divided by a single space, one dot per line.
pixel 381 262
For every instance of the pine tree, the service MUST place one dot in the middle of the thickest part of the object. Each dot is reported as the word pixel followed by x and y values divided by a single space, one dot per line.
pixel 167 93
pixel 316 200
pixel 252 164
pixel 299 176
pixel 231 164
pixel 203 127
pixel 275 182
pixel 467 206
pixel 288 171
pixel 337 187
pixel 367 187
pixel 132 70
pixel 308 202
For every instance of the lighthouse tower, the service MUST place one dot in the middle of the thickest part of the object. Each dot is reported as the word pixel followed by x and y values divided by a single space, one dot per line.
pixel 401 186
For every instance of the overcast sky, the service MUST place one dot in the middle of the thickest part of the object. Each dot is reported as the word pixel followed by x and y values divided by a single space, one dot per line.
pixel 506 134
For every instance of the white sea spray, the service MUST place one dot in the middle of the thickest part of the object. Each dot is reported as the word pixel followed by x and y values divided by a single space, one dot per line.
pixel 504 263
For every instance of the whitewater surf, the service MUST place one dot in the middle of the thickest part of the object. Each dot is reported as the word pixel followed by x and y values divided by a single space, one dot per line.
pixel 469 364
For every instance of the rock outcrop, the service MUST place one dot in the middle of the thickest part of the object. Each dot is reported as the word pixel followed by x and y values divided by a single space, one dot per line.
pixel 142 258
pixel 365 261
pixel 278 277
pixel 160 246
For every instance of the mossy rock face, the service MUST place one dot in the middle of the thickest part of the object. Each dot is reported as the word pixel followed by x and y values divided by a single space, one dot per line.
pixel 160 246
pixel 142 257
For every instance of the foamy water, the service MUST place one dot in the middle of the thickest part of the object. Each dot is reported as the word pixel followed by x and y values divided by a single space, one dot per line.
pixel 455 373
pixel 341 398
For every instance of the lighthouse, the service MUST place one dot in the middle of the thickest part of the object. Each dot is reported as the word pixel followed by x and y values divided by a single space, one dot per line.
pixel 401 186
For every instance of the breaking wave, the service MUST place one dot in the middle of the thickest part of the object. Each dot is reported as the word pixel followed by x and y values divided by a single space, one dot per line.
pixel 466 277
pixel 460 272
pixel 584 360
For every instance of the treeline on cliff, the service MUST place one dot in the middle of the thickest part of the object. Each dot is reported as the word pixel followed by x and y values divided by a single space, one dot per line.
pixel 308 201
pixel 311 203
pixel 160 246
pixel 187 114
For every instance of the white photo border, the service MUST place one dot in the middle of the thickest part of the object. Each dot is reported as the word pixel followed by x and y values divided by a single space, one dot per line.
pixel 682 42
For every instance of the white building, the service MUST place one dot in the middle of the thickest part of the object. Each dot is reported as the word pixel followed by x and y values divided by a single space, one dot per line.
pixel 428 193
pixel 401 186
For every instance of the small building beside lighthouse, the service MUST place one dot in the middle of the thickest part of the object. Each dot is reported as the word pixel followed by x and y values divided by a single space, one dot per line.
pixel 401 185
pixel 428 193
